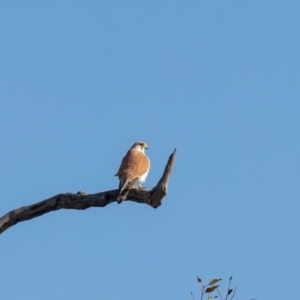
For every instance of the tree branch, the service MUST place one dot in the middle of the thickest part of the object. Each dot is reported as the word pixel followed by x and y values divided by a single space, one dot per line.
pixel 83 200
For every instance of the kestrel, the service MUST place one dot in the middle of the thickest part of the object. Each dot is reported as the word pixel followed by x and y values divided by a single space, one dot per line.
pixel 134 169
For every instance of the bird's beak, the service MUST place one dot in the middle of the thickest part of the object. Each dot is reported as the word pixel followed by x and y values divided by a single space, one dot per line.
pixel 146 147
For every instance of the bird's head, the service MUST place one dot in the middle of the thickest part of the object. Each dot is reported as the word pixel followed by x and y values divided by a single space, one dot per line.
pixel 140 146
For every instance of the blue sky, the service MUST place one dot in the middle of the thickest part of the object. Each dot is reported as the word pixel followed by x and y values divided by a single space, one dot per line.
pixel 81 81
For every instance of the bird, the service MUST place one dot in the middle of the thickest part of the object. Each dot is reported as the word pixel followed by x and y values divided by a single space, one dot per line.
pixel 133 170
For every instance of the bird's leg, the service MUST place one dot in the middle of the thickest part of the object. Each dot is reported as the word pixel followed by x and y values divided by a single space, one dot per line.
pixel 133 182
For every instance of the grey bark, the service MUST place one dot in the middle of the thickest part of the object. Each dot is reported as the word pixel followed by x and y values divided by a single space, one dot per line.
pixel 82 200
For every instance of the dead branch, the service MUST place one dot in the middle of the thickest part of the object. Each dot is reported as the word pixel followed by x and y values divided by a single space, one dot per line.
pixel 83 200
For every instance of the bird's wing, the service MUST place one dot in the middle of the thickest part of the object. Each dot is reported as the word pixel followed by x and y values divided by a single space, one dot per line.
pixel 134 164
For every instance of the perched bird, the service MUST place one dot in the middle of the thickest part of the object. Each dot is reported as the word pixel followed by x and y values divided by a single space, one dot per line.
pixel 134 169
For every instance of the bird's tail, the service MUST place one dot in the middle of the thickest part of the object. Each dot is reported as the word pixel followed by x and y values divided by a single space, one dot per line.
pixel 124 189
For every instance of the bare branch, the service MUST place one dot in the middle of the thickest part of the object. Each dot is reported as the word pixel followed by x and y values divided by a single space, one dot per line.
pixel 230 278
pixel 219 294
pixel 82 200
pixel 234 293
pixel 193 296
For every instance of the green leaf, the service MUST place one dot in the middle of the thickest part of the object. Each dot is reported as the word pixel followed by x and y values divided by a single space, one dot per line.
pixel 211 289
pixel 214 281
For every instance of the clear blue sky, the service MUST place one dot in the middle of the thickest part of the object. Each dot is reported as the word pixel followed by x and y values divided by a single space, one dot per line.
pixel 81 81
